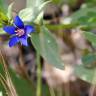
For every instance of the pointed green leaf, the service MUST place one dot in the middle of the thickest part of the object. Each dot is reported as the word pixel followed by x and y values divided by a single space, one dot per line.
pixel 46 45
pixel 34 3
pixel 26 14
pixel 9 13
pixel 33 12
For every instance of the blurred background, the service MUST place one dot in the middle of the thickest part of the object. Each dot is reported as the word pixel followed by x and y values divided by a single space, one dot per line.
pixel 72 46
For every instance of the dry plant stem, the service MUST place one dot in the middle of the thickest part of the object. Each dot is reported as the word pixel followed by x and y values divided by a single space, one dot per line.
pixel 3 82
pixel 92 88
pixel 7 76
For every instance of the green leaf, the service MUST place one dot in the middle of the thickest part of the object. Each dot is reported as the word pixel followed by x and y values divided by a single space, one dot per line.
pixel 27 14
pixel 78 14
pixel 89 60
pixel 34 3
pixel 9 13
pixel 39 17
pixel 46 45
pixel 90 37
pixel 86 74
pixel 87 20
pixel 33 12
pixel 3 19
pixel 43 4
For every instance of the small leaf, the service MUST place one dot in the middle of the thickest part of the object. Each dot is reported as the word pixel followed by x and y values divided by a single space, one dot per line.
pixel 89 60
pixel 90 37
pixel 3 19
pixel 26 14
pixel 87 20
pixel 78 14
pixel 39 18
pixel 9 13
pixel 86 74
pixel 33 12
pixel 46 45
pixel 34 3
pixel 43 5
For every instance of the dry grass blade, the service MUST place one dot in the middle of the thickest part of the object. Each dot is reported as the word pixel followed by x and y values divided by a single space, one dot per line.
pixel 8 81
pixel 3 82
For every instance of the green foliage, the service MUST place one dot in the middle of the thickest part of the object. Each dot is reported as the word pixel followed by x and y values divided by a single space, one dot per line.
pixel 5 14
pixel 34 3
pixel 3 6
pixel 87 19
pixel 86 74
pixel 23 87
pixel 3 19
pixel 9 13
pixel 89 60
pixel 46 45
pixel 27 14
pixel 90 37
pixel 33 10
pixel 87 70
pixel 69 2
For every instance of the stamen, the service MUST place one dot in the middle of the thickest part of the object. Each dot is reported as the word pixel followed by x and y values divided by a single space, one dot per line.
pixel 20 32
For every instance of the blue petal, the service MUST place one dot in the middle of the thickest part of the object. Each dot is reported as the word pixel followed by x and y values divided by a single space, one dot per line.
pixel 29 29
pixel 9 29
pixel 23 40
pixel 13 41
pixel 18 22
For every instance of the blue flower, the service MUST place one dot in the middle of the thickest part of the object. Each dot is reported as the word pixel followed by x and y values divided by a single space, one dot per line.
pixel 19 32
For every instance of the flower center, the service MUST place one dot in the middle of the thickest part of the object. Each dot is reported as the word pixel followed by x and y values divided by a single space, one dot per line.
pixel 20 32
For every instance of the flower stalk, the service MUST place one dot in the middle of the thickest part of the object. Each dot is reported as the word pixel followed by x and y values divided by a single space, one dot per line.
pixel 39 76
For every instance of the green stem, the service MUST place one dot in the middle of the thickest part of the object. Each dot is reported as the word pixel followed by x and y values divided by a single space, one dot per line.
pixel 39 77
